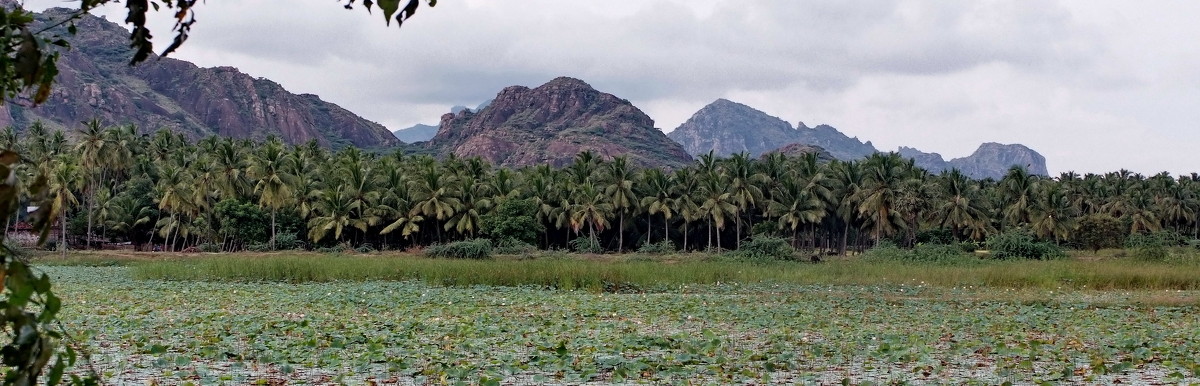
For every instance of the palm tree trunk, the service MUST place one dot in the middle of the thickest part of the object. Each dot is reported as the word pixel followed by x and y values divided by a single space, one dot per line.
pixel 845 237
pixel 621 234
pixel 718 239
pixel 87 241
pixel 685 235
pixel 63 232
pixel 710 233
pixel 738 229
pixel 648 227
pixel 666 229
pixel 273 210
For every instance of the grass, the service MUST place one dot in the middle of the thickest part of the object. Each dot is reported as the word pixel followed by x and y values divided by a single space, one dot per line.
pixel 645 273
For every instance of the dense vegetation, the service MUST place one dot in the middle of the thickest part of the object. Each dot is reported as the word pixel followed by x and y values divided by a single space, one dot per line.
pixel 219 194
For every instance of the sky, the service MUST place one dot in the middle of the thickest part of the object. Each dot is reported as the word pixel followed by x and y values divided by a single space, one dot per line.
pixel 1093 85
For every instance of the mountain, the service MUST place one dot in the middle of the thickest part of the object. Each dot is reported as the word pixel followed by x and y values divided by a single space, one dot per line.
pixel 841 146
pixel 799 149
pixel 725 127
pixel 551 124
pixel 95 81
pixel 417 133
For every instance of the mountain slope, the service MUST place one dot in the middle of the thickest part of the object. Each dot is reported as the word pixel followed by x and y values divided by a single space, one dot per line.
pixel 551 124
pixel 725 127
pixel 417 133
pixel 96 82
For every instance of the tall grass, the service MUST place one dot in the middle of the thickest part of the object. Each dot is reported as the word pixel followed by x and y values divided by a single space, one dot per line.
pixel 657 275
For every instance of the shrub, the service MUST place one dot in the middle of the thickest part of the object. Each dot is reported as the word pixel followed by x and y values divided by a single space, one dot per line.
pixel 659 248
pixel 14 249
pixel 514 247
pixel 288 241
pixel 365 248
pixel 334 249
pixel 585 245
pixel 1097 231
pixel 922 253
pixel 259 247
pixel 477 249
pixel 209 248
pixel 935 236
pixel 968 246
pixel 513 219
pixel 1020 244
pixel 765 248
pixel 1151 246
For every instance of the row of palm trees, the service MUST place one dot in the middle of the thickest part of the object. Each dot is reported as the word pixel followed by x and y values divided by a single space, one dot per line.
pixel 161 189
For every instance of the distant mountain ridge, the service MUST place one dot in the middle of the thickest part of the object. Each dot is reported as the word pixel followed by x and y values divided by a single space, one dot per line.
pixel 725 127
pixel 95 81
pixel 551 124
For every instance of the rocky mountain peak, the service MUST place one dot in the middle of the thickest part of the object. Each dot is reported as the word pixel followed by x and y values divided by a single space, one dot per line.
pixel 551 124
pixel 726 127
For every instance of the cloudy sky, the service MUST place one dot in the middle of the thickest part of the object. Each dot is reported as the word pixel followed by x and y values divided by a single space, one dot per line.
pixel 1093 85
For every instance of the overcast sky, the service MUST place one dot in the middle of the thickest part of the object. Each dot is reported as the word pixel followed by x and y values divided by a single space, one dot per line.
pixel 1093 85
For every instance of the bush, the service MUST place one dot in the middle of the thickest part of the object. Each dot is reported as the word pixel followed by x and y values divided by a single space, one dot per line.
pixel 513 219
pixel 1152 246
pixel 968 246
pixel 477 249
pixel 259 247
pixel 659 248
pixel 365 248
pixel 14 249
pixel 1020 244
pixel 209 248
pixel 935 236
pixel 585 245
pixel 334 249
pixel 514 247
pixel 287 242
pixel 922 253
pixel 1098 231
pixel 765 248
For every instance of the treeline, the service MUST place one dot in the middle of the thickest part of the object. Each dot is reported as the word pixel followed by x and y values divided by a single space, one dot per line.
pixel 162 191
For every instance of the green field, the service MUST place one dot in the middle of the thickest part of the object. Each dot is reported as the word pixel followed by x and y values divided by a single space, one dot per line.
pixel 807 323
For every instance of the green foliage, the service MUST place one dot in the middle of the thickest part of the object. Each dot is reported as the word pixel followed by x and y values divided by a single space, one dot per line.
pixel 765 248
pixel 513 219
pixel 243 221
pixel 209 248
pixel 1098 231
pixel 936 236
pixel 922 253
pixel 338 248
pixel 586 245
pixel 659 248
pixel 288 241
pixel 514 247
pixel 477 249
pixel 1150 246
pixel 1020 244
pixel 365 248
pixel 259 247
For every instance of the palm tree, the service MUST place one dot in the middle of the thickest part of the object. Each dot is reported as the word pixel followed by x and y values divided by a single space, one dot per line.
pixel 589 208
pixel 743 191
pixel 684 193
pixel 62 181
pixel 436 196
pixel 93 148
pixel 1052 215
pixel 883 179
pixel 795 206
pixel 657 199
pixel 717 205
pixel 335 211
pixel 274 187
pixel 847 178
pixel 1017 188
pixel 959 205
pixel 619 194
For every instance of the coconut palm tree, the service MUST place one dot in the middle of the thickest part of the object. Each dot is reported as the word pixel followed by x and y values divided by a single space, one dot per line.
pixel 657 199
pixel 274 184
pixel 589 208
pixel 717 205
pixel 62 183
pixel 883 178
pixel 619 193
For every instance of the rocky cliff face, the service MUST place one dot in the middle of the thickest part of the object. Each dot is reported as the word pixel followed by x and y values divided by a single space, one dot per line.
pixel 551 124
pixel 725 127
pixel 841 146
pixel 95 81
pixel 800 149
pixel 990 160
